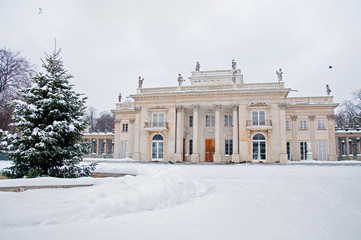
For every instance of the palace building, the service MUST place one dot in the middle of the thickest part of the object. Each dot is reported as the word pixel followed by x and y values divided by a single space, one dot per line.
pixel 221 119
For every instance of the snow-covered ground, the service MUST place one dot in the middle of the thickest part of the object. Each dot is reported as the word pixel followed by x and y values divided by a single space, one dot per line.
pixel 186 201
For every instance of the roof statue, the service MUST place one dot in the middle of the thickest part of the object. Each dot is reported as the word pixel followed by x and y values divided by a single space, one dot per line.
pixel 234 65
pixel 279 74
pixel 328 89
pixel 140 82
pixel 180 80
pixel 120 97
pixel 198 66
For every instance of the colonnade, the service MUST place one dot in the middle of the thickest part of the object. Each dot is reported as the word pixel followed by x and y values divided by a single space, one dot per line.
pixel 195 157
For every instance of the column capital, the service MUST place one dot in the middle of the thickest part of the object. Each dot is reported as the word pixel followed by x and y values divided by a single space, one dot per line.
pixel 311 117
pixel 294 117
pixel 282 106
pixel 179 107
pixel 330 116
pixel 131 120
pixel 195 106
pixel 234 106
pixel 217 106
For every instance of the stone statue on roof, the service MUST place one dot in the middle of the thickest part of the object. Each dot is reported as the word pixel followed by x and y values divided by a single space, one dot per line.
pixel 180 80
pixel 328 89
pixel 234 65
pixel 198 66
pixel 140 82
pixel 120 97
pixel 279 74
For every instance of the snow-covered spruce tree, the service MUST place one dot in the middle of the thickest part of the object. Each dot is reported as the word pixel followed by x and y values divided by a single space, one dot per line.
pixel 50 121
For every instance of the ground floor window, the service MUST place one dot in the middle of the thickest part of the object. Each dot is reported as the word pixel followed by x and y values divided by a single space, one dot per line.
pixel 303 149
pixel 288 147
pixel 228 146
pixel 157 147
pixel 123 150
pixel 322 150
pixel 259 147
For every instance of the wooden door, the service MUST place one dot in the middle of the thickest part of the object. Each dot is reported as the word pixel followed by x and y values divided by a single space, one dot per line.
pixel 210 149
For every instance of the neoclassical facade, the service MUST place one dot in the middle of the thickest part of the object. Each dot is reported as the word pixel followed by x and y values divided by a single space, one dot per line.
pixel 220 119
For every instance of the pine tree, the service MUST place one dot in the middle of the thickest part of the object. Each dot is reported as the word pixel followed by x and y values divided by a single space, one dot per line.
pixel 50 120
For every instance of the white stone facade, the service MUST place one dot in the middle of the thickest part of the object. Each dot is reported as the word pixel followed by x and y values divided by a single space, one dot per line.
pixel 221 119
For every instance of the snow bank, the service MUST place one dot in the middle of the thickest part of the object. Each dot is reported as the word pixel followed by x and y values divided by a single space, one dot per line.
pixel 153 188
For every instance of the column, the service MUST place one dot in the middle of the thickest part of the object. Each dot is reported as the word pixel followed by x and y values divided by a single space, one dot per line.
pixel 178 156
pixel 314 148
pixel 243 134
pixel 295 153
pixel 99 146
pixel 235 155
pixel 283 146
pixel 350 154
pixel 358 148
pixel 106 146
pixel 136 135
pixel 195 154
pixel 131 137
pixel 332 155
pixel 117 144
pixel 217 157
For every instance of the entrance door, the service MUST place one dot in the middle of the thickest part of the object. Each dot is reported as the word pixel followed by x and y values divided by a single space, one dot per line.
pixel 210 149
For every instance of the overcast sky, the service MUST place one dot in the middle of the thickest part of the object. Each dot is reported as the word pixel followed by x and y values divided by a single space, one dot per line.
pixel 106 45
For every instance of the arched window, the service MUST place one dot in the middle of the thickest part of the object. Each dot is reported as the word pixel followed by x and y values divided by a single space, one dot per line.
pixel 259 147
pixel 157 147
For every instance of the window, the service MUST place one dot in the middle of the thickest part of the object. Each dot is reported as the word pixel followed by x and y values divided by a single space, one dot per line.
pixel 210 120
pixel 258 117
pixel 157 147
pixel 288 126
pixel 321 124
pixel 158 120
pixel 190 146
pixel 229 146
pixel 259 147
pixel 125 127
pixel 190 121
pixel 288 147
pixel 322 150
pixel 228 121
pixel 303 124
pixel 303 149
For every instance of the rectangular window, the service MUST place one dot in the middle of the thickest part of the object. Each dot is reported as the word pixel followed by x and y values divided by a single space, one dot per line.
pixel 322 150
pixel 125 127
pixel 288 147
pixel 228 122
pixel 158 120
pixel 258 117
pixel 228 146
pixel 190 121
pixel 210 120
pixel 303 124
pixel 321 124
pixel 303 149
pixel 288 126
pixel 190 146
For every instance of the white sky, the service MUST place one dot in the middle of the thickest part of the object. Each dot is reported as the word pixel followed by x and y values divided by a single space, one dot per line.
pixel 106 45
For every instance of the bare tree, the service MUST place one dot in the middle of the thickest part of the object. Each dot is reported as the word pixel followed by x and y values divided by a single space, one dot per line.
pixel 91 112
pixel 105 121
pixel 353 109
pixel 350 112
pixel 15 74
